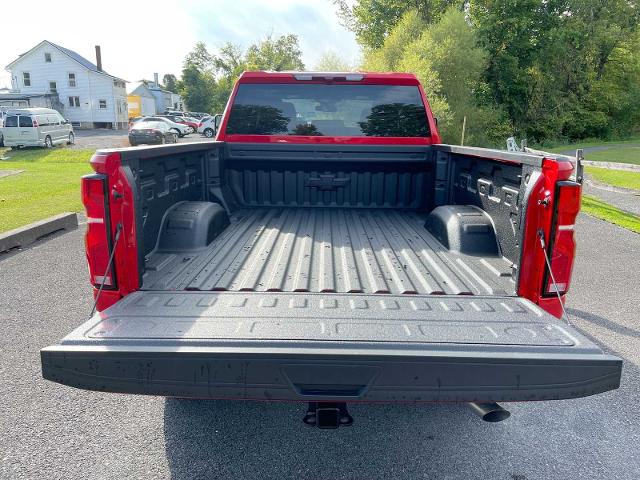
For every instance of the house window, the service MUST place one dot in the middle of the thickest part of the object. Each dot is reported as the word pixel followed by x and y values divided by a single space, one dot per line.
pixel 47 57
pixel 26 79
pixel 72 79
pixel 53 87
pixel 103 104
pixel 74 101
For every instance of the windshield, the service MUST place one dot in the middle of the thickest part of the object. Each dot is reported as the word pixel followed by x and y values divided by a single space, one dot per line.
pixel 331 110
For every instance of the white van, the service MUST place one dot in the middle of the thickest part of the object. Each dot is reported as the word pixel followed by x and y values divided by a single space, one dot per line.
pixel 36 127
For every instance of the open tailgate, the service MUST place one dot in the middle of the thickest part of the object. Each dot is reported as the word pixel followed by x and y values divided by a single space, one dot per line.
pixel 318 347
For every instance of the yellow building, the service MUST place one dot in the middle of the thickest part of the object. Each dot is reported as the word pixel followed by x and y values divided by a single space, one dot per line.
pixel 135 105
pixel 141 101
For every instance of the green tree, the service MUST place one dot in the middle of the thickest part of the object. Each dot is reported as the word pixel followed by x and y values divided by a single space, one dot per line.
pixel 330 61
pixel 200 58
pixel 170 82
pixel 208 79
pixel 373 20
pixel 198 89
pixel 392 56
pixel 230 61
pixel 547 60
pixel 449 48
pixel 278 54
pixel 538 69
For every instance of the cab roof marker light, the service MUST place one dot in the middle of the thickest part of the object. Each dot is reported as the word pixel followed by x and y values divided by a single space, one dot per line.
pixel 350 77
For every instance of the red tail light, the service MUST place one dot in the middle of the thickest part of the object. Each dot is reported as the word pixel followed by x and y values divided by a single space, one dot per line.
pixel 97 238
pixel 563 246
pixel 200 124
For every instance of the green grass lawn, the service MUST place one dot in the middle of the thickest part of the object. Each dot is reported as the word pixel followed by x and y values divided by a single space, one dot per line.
pixel 598 208
pixel 617 178
pixel 50 184
pixel 619 154
pixel 595 143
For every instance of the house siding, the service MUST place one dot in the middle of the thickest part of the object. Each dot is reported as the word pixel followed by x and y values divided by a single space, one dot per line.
pixel 91 87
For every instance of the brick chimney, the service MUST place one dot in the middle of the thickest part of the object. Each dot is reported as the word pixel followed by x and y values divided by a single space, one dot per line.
pixel 98 58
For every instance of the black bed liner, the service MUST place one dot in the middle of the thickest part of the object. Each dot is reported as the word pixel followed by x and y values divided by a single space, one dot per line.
pixel 314 346
pixel 328 250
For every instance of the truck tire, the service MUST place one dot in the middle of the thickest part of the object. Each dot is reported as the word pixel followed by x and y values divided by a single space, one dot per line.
pixel 208 132
pixel 72 139
pixel 47 142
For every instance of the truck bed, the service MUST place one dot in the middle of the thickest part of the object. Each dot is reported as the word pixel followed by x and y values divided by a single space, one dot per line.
pixel 328 250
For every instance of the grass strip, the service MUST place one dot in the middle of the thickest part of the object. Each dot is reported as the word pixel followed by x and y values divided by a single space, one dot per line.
pixel 604 211
pixel 617 178
pixel 50 184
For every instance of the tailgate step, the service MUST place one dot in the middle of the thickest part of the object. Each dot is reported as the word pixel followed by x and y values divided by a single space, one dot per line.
pixel 368 318
pixel 330 348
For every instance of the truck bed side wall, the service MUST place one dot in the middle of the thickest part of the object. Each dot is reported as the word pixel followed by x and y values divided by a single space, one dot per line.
pixel 163 177
pixel 497 187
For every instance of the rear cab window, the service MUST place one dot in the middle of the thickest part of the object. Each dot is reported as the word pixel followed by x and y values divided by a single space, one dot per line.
pixel 333 110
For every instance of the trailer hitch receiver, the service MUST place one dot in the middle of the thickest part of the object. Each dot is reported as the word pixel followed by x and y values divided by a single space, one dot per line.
pixel 328 415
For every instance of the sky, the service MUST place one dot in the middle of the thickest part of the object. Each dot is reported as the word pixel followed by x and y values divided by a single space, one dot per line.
pixel 139 38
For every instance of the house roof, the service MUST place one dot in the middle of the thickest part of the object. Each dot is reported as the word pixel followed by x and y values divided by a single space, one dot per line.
pixel 138 88
pixel 71 54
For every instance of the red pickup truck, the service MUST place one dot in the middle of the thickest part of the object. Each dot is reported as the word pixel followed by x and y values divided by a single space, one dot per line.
pixel 328 248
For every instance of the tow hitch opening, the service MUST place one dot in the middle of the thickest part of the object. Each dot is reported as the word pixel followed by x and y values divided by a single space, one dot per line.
pixel 328 415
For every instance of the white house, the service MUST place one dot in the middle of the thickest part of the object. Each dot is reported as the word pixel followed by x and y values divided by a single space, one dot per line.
pixel 89 96
pixel 164 98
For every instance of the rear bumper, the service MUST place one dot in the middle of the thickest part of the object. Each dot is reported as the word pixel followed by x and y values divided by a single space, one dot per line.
pixel 23 143
pixel 267 374
pixel 149 140
pixel 330 347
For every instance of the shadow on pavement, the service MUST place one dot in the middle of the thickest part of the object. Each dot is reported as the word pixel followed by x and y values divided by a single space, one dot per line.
pixel 604 323
pixel 225 439
pixel 593 437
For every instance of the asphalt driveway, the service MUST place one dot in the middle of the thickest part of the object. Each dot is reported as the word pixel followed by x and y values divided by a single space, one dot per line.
pixel 94 139
pixel 52 431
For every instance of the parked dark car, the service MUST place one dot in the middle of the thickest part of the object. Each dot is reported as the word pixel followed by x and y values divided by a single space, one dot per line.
pixel 151 133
